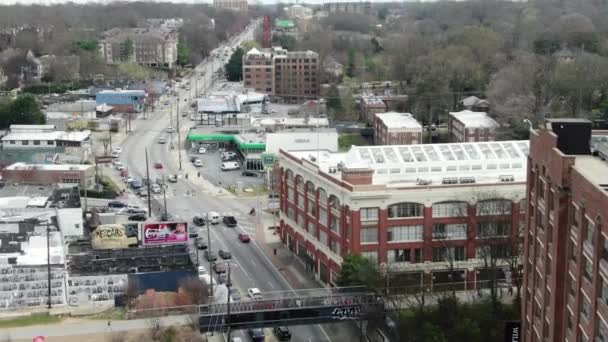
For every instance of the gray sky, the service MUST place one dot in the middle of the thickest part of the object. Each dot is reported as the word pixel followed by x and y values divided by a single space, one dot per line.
pixel 49 2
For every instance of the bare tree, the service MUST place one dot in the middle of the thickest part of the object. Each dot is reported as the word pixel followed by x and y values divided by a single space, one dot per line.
pixel 196 289
pixel 132 292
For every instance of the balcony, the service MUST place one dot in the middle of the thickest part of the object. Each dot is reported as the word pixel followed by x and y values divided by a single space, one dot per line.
pixel 604 267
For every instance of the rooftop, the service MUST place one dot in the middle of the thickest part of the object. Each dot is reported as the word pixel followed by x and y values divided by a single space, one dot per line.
pixel 399 120
pixel 283 121
pixel 123 91
pixel 218 104
pixel 23 196
pixel 32 128
pixel 78 136
pixel 474 119
pixel 402 165
pixel 371 100
pixel 49 167
pixel 594 169
pixel 25 244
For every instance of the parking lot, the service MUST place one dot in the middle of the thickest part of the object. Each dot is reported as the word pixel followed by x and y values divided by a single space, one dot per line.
pixel 212 172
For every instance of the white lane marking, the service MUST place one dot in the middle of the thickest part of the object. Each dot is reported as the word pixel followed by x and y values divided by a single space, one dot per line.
pixel 271 286
pixel 252 262
pixel 221 242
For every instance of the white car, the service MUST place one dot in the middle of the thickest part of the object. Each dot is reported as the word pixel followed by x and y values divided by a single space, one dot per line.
pixel 115 154
pixel 120 167
pixel 117 149
pixel 198 163
pixel 230 166
pixel 202 270
pixel 228 154
pixel 172 178
pixel 254 293
pixel 130 179
pixel 156 189
pixel 116 162
pixel 202 150
pixel 162 140
pixel 170 129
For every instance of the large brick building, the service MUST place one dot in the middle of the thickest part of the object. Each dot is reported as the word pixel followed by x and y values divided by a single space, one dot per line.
pixel 565 296
pixel 237 5
pixel 468 126
pixel 153 47
pixel 396 129
pixel 410 207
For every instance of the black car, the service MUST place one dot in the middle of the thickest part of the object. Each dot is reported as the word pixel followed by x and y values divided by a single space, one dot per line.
pixel 192 232
pixel 257 334
pixel 229 221
pixel 224 254
pixel 210 256
pixel 198 220
pixel 201 244
pixel 283 333
pixel 136 184
pixel 138 217
pixel 249 174
pixel 167 217
pixel 117 204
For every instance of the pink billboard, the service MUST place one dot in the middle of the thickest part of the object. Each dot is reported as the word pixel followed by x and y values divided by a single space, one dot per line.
pixel 164 233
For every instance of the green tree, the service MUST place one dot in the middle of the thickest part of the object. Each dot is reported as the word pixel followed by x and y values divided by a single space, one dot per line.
pixel 133 71
pixel 86 44
pixel 333 101
pixel 234 67
pixel 183 53
pixel 351 65
pixel 22 111
pixel 126 49
pixel 358 270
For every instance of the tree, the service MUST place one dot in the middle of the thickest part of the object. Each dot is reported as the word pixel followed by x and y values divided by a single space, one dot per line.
pixel 133 71
pixel 22 111
pixel 234 67
pixel 285 41
pixel 351 65
pixel 126 49
pixel 358 270
pixel 333 101
pixel 183 53
pixel 382 13
pixel 196 289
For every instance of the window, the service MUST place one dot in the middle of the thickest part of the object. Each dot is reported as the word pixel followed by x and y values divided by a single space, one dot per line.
pixel 448 253
pixel 300 201
pixel 36 142
pixel 450 209
pixel 540 219
pixel 290 213
pixel 573 287
pixel 323 237
pixel 290 194
pixel 576 217
pixel 453 231
pixel 373 255
pixel 602 331
pixel 589 233
pixel 604 291
pixel 368 235
pixel 312 228
pixel 25 142
pixel 398 255
pixel 334 224
pixel 587 269
pixel 322 196
pixel 335 246
pixel 585 308
pixel 405 233
pixel 405 210
pixel 323 216
pixel 311 207
pixel 418 255
pixel 494 207
pixel 493 229
pixel 572 250
pixel 301 220
pixel 369 214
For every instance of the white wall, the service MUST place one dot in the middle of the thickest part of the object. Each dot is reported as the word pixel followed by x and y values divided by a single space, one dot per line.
pixel 299 141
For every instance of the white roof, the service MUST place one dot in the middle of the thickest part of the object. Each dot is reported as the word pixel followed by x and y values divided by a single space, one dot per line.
pixel 75 136
pixel 399 165
pixel 30 128
pixel 399 120
pixel 474 119
pixel 49 167
pixel 283 121
pixel 35 248
pixel 32 136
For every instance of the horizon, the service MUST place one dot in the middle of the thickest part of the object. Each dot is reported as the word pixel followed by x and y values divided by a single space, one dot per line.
pixel 252 2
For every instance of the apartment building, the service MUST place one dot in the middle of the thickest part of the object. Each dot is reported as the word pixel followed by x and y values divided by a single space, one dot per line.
pixel 150 46
pixel 369 105
pixel 237 5
pixel 410 207
pixel 565 290
pixel 288 76
pixel 396 129
pixel 468 126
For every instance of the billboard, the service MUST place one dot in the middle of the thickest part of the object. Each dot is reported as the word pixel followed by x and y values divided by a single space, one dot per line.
pixel 163 233
pixel 112 236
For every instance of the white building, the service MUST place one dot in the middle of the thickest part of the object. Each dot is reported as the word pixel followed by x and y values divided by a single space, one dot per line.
pixel 468 126
pixel 298 12
pixel 298 140
pixel 396 129
pixel 46 138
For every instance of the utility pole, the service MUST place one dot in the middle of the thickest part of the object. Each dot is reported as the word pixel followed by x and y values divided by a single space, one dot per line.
pixel 228 285
pixel 148 185
pixel 209 253
pixel 171 124
pixel 164 196
pixel 48 258
pixel 179 139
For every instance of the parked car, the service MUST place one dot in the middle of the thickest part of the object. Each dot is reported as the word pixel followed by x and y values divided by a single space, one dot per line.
pixel 214 218
pixel 115 154
pixel 219 267
pixel 229 221
pixel 244 238
pixel 116 162
pixel 210 256
pixel 134 210
pixel 198 163
pixel 249 174
pixel 202 150
pixel 138 217
pixel 202 270
pixel 225 254
pixel 230 158
pixel 155 189
pixel 136 184
pixel 235 294
pixel 192 232
pixel 158 165
pixel 121 168
pixel 254 293
pixel 141 192
pixel 223 279
pixel 228 154
pixel 172 178
pixel 230 166
pixel 117 204
pixel 283 333
pixel 170 129
pixel 198 220
pixel 201 243
pixel 257 335
pixel 162 140
pixel 117 149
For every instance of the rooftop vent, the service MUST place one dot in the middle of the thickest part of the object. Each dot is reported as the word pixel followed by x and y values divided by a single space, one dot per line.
pixel 466 180
pixel 421 181
pixel 506 178
pixel 450 180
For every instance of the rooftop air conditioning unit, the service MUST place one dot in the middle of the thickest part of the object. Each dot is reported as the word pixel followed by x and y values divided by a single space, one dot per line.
pixel 333 170
pixel 507 178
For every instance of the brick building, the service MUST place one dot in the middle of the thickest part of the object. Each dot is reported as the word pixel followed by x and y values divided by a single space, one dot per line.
pixel 410 207
pixel 258 70
pixel 396 129
pixel 44 174
pixel 369 106
pixel 237 5
pixel 468 126
pixel 153 47
pixel 565 291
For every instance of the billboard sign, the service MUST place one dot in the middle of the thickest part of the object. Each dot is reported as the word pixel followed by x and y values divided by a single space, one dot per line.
pixel 103 159
pixel 113 236
pixel 165 233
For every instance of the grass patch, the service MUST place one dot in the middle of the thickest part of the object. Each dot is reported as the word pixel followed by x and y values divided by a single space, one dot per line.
pixel 346 140
pixel 112 314
pixel 33 319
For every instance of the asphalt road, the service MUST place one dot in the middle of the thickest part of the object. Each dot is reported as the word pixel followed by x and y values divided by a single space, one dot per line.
pixel 250 266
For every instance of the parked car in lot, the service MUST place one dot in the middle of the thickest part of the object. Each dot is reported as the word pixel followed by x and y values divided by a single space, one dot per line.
pixel 244 238
pixel 162 140
pixel 228 154
pixel 192 232
pixel 138 217
pixel 158 165
pixel 225 254
pixel 210 256
pixel 249 174
pixel 223 279
pixel 172 179
pixel 155 189
pixel 198 163
pixel 167 217
pixel 192 159
pixel 141 192
pixel 282 333
pixel 136 184
pixel 202 150
pixel 133 210
pixel 198 220
pixel 229 221
pixel 230 166
pixel 115 154
pixel 117 149
pixel 230 158
pixel 257 335
pixel 117 204
pixel 202 270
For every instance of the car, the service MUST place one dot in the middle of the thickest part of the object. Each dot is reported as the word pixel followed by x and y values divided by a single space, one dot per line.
pixel 130 180
pixel 155 189
pixel 117 149
pixel 213 217
pixel 172 178
pixel 202 150
pixel 257 335
pixel 170 129
pixel 244 238
pixel 202 270
pixel 225 254
pixel 158 165
pixel 223 279
pixel 138 217
pixel 192 159
pixel 283 333
pixel 229 221
pixel 219 267
pixel 198 163
pixel 230 166
pixel 121 168
pixel 115 154
pixel 116 162
pixel 235 294
pixel 249 174
pixel 134 210
pixel 117 204
pixel 201 243
pixel 254 293
pixel 198 220
pixel 136 184
pixel 192 232
pixel 162 140
pixel 229 158
pixel 210 256
pixel 228 154
pixel 141 192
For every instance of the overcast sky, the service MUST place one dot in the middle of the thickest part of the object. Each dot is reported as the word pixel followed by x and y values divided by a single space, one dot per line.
pixel 49 2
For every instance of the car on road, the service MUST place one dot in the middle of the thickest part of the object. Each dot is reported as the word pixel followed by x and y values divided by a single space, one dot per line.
pixel 244 238
pixel 155 188
pixel 225 254
pixel 235 294
pixel 115 154
pixel 257 335
pixel 210 256
pixel 220 267
pixel 202 270
pixel 141 192
pixel 121 168
pixel 192 232
pixel 229 221
pixel 202 150
pixel 230 166
pixel 158 165
pixel 117 149
pixel 116 162
pixel 201 243
pixel 213 217
pixel 172 179
pixel 170 129
pixel 282 333
pixel 198 163
pixel 117 204
pixel 138 217
pixel 136 184
pixel 254 293
pixel 198 220
pixel 249 174
pixel 162 140
pixel 133 210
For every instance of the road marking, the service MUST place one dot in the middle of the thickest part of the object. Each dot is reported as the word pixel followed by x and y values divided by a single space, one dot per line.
pixel 252 262
pixel 271 286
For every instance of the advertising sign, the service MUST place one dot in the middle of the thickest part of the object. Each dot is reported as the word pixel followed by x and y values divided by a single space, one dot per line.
pixel 163 233
pixel 112 236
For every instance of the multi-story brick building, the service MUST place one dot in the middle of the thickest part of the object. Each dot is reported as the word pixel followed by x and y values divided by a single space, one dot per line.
pixel 411 207
pixel 153 47
pixel 396 129
pixel 237 5
pixel 369 106
pixel 289 76
pixel 468 126
pixel 565 291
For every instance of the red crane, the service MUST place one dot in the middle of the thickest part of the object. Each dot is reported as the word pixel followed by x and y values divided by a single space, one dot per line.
pixel 267 32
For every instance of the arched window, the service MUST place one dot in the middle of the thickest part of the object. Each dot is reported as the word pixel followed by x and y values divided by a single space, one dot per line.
pixel 289 176
pixel 299 181
pixel 450 209
pixel 310 187
pixel 493 207
pixel 405 209
pixel 322 195
pixel 334 202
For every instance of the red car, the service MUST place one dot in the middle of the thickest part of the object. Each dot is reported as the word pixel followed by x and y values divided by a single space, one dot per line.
pixel 158 165
pixel 244 238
